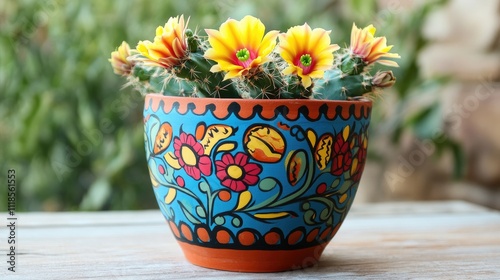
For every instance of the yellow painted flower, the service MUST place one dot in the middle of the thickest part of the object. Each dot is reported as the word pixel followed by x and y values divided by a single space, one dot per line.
pixel 370 48
pixel 121 65
pixel 169 46
pixel 307 51
pixel 239 46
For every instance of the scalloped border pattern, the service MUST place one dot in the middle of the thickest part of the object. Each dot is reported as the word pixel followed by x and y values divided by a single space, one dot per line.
pixel 268 109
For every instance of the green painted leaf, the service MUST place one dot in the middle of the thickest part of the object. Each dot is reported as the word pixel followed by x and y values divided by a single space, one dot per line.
pixel 188 214
pixel 264 203
pixel 201 212
pixel 345 186
pixel 236 222
pixel 153 128
pixel 267 184
pixel 325 214
pixel 204 187
pixel 335 184
pixel 309 216
pixel 219 220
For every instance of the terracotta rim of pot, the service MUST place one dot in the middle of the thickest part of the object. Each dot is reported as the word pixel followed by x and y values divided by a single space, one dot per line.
pixel 313 109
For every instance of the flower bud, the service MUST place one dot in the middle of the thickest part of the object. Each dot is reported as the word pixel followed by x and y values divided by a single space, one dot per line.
pixel 384 79
pixel 119 60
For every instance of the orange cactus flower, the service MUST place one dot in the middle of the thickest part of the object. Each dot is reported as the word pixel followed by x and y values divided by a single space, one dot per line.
pixel 307 51
pixel 169 46
pixel 121 65
pixel 239 46
pixel 370 48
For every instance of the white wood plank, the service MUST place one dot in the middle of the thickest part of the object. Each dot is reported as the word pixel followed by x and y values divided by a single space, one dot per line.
pixel 54 219
pixel 414 207
pixel 449 242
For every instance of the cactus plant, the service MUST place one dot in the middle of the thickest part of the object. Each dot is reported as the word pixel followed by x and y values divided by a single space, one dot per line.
pixel 288 152
pixel 240 61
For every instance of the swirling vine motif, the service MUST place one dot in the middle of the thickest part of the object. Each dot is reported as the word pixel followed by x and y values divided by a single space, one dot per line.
pixel 250 179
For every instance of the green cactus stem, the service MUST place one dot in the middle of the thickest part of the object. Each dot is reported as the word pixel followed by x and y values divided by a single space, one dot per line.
pixel 171 86
pixel 194 42
pixel 263 82
pixel 143 72
pixel 296 90
pixel 196 69
pixel 338 86
pixel 352 65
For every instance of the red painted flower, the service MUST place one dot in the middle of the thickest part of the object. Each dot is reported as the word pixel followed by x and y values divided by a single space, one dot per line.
pixel 236 172
pixel 191 156
pixel 342 159
pixel 358 164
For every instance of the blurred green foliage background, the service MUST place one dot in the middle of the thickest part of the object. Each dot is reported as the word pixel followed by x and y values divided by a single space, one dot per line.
pixel 75 138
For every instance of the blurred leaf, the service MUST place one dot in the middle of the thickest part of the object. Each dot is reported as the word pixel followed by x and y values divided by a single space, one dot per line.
pixel 425 122
pixel 97 195
pixel 363 8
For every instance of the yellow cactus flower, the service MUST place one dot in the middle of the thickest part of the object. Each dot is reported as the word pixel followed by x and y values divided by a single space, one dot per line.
pixel 307 51
pixel 239 46
pixel 370 48
pixel 169 46
pixel 121 65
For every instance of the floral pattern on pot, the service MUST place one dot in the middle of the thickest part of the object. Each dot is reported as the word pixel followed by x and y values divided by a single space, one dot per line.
pixel 255 174
pixel 190 155
pixel 236 173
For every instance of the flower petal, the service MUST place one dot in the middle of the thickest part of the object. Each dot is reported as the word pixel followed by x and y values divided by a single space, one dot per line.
pixel 251 180
pixel 370 48
pixel 300 41
pixel 240 159
pixel 169 45
pixel 205 165
pixel 234 36
pixel 306 80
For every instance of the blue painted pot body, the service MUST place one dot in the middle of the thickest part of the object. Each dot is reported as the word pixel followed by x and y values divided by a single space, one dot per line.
pixel 249 175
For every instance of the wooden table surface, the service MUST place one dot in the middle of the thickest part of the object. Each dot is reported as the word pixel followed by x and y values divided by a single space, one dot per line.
pixel 414 240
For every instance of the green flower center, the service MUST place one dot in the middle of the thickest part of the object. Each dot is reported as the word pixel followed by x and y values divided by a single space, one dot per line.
pixel 306 60
pixel 243 55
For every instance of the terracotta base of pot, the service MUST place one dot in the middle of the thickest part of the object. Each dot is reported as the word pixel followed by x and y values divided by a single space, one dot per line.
pixel 252 260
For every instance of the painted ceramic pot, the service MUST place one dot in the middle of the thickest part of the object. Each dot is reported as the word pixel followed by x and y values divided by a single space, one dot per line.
pixel 254 185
